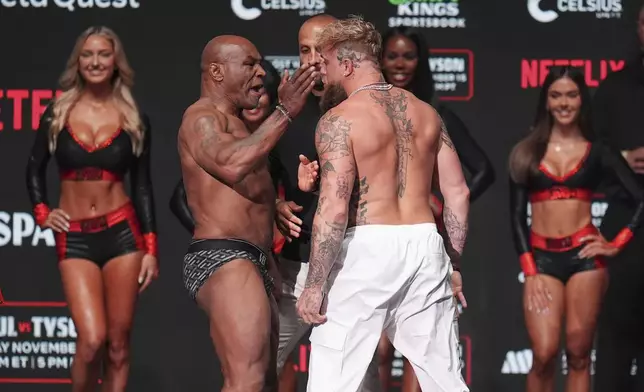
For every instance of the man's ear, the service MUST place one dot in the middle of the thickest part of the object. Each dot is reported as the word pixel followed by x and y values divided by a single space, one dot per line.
pixel 347 68
pixel 216 72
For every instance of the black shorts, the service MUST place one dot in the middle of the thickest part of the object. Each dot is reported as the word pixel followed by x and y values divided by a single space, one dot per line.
pixel 558 258
pixel 102 238
pixel 205 256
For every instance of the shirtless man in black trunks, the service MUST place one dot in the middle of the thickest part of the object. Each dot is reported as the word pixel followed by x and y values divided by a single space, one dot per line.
pixel 232 199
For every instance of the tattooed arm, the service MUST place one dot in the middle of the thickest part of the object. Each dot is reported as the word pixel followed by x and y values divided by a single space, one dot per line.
pixel 223 156
pixel 337 174
pixel 456 194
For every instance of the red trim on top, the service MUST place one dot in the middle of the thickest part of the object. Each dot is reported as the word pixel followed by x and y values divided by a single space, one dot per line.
pixel 562 244
pixel 97 147
pixel 559 193
pixel 572 172
pixel 90 174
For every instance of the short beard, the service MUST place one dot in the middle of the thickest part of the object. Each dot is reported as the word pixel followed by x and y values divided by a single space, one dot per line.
pixel 332 97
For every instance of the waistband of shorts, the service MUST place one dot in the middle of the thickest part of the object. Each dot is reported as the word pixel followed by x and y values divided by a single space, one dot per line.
pixel 390 230
pixel 103 222
pixel 237 244
pixel 562 244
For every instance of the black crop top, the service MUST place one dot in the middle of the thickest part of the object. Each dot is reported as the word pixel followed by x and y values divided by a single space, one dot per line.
pixel 598 162
pixel 78 162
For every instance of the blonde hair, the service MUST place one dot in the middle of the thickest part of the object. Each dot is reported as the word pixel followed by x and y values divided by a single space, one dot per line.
pixel 72 85
pixel 361 35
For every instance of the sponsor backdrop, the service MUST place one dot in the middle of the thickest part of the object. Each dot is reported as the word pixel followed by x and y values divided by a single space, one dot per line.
pixel 488 64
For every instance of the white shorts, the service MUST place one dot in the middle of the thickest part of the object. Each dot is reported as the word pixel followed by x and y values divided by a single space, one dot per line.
pixel 395 278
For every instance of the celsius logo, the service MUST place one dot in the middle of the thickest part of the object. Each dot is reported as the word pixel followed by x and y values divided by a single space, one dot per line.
pixel 603 9
pixel 306 7
pixel 538 14
pixel 71 4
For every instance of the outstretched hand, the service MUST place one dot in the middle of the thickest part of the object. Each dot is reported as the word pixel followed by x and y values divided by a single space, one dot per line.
pixel 307 174
pixel 293 92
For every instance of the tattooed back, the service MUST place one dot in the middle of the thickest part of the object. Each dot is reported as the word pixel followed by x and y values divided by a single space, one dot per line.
pixel 394 138
pixel 223 208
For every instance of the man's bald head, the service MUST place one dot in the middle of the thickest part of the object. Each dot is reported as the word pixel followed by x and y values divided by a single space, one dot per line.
pixel 224 47
pixel 306 40
pixel 230 66
pixel 319 21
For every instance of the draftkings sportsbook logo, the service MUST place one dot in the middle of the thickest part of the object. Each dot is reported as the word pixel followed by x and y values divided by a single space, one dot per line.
pixel 603 9
pixel 305 7
pixel 427 14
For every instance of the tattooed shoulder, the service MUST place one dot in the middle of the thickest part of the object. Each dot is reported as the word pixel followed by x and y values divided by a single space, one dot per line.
pixel 332 137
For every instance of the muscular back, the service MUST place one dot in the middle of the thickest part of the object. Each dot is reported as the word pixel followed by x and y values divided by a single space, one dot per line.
pixel 395 138
pixel 222 204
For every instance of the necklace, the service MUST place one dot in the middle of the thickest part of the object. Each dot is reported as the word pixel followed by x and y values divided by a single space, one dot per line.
pixel 379 86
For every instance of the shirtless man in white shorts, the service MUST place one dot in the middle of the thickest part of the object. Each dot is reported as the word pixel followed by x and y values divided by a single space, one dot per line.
pixel 377 259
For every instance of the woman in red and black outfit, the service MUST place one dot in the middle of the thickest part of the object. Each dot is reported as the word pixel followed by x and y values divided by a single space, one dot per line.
pixel 557 168
pixel 106 244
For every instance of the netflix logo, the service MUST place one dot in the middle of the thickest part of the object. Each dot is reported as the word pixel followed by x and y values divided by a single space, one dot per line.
pixel 21 108
pixel 534 71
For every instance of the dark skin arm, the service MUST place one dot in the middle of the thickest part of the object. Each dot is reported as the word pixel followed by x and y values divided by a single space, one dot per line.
pixel 228 158
pixel 231 159
pixel 180 209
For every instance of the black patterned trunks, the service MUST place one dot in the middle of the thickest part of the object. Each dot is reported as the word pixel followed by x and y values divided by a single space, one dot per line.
pixel 205 256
